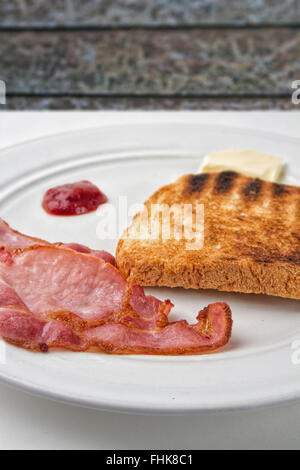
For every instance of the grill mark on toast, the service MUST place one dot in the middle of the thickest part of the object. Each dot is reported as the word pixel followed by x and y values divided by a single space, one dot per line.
pixel 279 190
pixel 196 183
pixel 252 190
pixel 259 255
pixel 225 181
pixel 293 257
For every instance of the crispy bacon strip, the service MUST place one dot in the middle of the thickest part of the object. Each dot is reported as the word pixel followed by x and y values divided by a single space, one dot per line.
pixel 52 296
pixel 210 333
pixel 11 239
pixel 143 311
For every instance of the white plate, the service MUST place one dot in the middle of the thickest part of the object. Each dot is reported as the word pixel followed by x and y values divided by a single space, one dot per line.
pixel 256 368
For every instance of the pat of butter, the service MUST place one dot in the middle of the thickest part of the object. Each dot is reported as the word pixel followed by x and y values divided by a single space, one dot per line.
pixel 247 162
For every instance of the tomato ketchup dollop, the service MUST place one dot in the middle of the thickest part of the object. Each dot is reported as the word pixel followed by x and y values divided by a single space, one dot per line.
pixel 73 199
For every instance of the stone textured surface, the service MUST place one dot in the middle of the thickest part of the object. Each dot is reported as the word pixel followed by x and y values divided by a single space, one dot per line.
pixel 118 104
pixel 167 67
pixel 197 62
pixel 148 12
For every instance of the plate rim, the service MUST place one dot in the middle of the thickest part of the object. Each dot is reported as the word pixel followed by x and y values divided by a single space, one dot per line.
pixel 142 410
pixel 92 129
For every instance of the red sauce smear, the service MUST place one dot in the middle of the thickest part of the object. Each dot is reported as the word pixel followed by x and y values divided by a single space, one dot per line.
pixel 73 199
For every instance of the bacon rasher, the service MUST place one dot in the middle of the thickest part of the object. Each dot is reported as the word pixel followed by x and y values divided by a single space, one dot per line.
pixel 66 297
pixel 11 239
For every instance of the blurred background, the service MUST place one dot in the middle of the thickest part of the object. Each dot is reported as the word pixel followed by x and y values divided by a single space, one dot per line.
pixel 149 54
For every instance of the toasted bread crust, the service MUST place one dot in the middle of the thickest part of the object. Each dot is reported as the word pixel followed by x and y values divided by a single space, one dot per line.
pixel 251 238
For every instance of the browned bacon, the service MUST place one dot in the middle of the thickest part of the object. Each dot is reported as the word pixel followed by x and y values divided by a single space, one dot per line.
pixel 11 239
pixel 142 311
pixel 56 296
pixel 19 327
pixel 211 332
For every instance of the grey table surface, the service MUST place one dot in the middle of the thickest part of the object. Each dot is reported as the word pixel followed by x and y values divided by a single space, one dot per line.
pixel 163 54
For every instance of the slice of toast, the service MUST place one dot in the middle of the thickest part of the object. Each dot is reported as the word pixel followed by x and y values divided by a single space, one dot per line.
pixel 251 238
